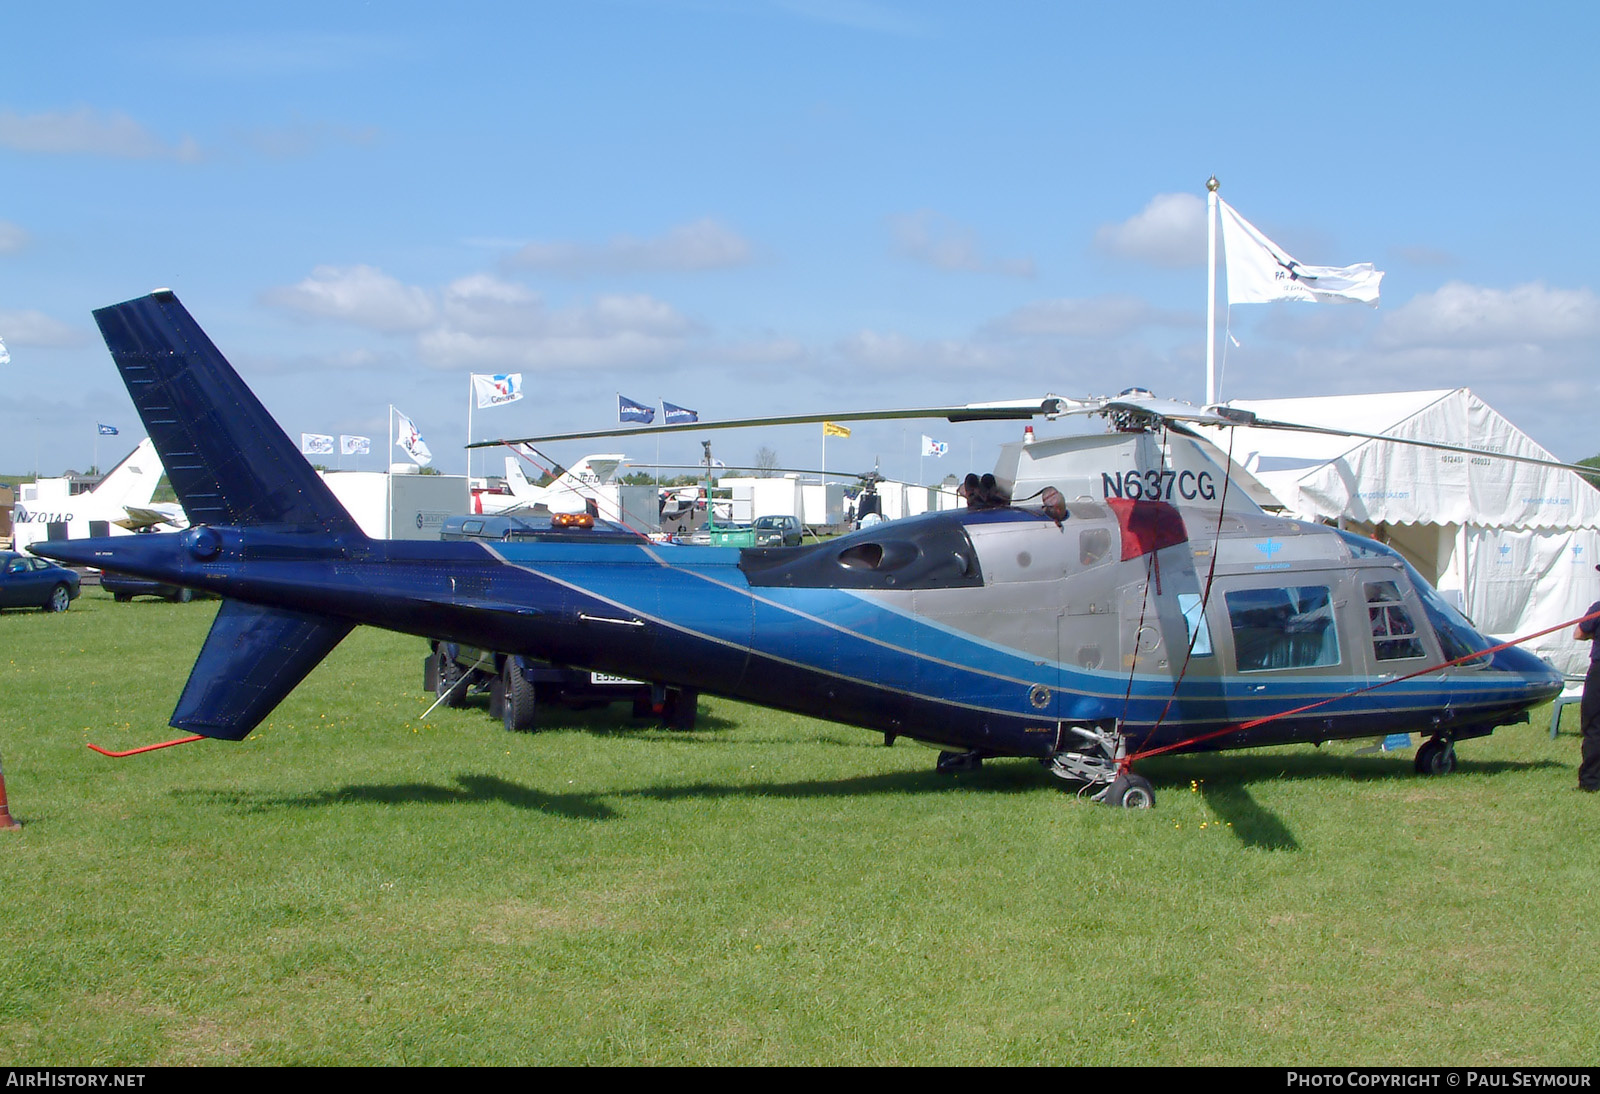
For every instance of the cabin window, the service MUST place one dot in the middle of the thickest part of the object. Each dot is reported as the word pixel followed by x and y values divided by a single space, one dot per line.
pixel 1283 628
pixel 1394 635
pixel 1194 617
pixel 1094 544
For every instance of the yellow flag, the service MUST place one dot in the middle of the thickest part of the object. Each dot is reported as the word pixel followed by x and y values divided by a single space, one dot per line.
pixel 829 429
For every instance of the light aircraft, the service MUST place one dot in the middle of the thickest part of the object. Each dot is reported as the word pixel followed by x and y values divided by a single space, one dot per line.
pixel 1129 599
pixel 570 492
pixel 47 510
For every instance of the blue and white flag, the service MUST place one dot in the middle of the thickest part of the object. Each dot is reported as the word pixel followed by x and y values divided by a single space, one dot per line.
pixel 316 444
pixel 5 354
pixel 630 411
pixel 679 415
pixel 106 430
pixel 354 446
pixel 931 447
pixel 411 440
pixel 497 390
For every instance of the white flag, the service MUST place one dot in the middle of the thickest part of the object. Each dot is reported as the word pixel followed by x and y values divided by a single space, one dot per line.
pixel 316 444
pixel 5 354
pixel 412 441
pixel 1260 271
pixel 931 447
pixel 497 390
pixel 354 446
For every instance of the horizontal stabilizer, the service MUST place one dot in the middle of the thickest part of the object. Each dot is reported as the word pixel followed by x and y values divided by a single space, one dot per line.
pixel 226 458
pixel 252 658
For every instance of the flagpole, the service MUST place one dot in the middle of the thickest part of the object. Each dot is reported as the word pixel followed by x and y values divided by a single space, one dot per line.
pixel 1211 290
pixel 470 401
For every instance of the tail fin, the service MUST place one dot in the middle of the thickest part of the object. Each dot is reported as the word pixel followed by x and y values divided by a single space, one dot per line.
pixel 229 462
pixel 516 481
pixel 252 658
pixel 133 481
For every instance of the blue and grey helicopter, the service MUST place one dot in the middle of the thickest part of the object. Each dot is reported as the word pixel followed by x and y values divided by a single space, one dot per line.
pixel 1124 595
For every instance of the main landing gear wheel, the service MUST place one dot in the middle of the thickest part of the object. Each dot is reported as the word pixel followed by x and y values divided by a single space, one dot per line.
pixel 1436 757
pixel 1131 791
pixel 951 762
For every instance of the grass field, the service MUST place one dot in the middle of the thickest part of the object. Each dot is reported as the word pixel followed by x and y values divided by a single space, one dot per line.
pixel 355 885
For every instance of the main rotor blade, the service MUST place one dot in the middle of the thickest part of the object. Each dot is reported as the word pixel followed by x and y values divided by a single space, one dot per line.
pixel 1050 406
pixel 1232 418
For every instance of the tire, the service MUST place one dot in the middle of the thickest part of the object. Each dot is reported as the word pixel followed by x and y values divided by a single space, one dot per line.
pixel 1436 757
pixel 521 701
pixel 681 709
pixel 451 683
pixel 430 672
pixel 1130 791
pixel 183 596
pixel 60 599
pixel 122 598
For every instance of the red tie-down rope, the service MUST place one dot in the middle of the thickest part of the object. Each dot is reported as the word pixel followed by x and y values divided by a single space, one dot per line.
pixel 1240 727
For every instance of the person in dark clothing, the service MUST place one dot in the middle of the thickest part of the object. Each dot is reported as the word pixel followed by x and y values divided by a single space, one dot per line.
pixel 1589 758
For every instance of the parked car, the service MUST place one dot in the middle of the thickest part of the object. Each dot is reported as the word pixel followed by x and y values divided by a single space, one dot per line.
pixel 777 531
pixel 124 587
pixel 27 582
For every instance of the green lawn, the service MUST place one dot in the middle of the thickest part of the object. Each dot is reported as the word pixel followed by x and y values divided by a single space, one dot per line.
pixel 356 885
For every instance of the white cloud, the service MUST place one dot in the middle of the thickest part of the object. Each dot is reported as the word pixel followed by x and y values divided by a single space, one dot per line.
pixel 938 241
pixel 362 295
pixel 702 245
pixel 33 328
pixel 1459 314
pixel 12 237
pixel 87 132
pixel 1169 232
pixel 1091 317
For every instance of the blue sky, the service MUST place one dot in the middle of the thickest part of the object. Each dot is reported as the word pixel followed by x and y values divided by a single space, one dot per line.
pixel 784 206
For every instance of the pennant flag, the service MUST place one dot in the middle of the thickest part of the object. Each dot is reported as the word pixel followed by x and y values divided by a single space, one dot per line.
pixel 931 447
pixel 678 415
pixel 831 429
pixel 354 446
pixel 497 390
pixel 5 354
pixel 106 430
pixel 1260 271
pixel 316 444
pixel 411 440
pixel 630 411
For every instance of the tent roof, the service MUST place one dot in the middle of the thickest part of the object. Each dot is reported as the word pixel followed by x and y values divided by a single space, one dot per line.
pixel 1317 475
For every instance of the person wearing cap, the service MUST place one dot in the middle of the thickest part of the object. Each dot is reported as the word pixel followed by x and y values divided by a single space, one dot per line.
pixel 1589 758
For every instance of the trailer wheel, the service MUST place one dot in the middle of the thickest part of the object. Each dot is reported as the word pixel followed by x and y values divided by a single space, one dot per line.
pixel 520 700
pixel 450 683
pixel 681 708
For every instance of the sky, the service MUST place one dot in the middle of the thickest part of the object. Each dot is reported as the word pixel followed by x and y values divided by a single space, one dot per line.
pixel 788 206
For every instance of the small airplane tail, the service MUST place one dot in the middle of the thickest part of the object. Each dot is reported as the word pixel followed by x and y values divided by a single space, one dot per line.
pixel 231 464
pixel 133 481
pixel 516 481
pixel 226 458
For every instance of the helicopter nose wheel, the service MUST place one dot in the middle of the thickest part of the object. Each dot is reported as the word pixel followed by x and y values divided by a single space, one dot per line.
pixel 1437 756
pixel 1095 768
pixel 1130 791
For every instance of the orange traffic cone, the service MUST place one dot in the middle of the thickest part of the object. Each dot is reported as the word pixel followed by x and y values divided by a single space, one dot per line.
pixel 7 821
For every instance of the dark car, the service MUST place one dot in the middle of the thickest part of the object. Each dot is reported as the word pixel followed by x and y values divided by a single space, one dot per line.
pixel 27 582
pixel 124 587
pixel 777 531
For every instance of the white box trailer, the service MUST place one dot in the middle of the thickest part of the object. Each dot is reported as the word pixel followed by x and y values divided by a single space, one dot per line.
pixel 824 504
pixel 773 497
pixel 399 506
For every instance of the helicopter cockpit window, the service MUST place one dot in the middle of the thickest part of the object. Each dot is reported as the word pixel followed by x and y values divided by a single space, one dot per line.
pixel 1394 635
pixel 1094 544
pixel 1283 628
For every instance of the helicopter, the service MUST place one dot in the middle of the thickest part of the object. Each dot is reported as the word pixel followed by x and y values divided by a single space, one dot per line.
pixel 1129 598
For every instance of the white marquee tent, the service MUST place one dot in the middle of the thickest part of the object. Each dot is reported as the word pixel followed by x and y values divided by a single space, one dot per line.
pixel 1514 544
